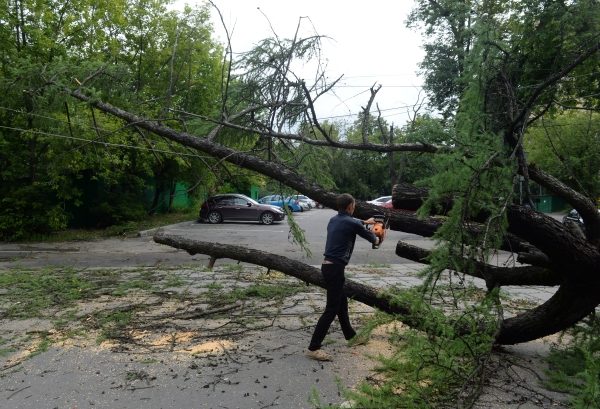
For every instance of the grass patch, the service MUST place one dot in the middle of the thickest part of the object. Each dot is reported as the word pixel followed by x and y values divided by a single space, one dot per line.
pixel 173 281
pixel 42 346
pixel 65 318
pixel 233 268
pixel 4 350
pixel 126 229
pixel 218 295
pixel 124 287
pixel 112 324
pixel 32 292
pixel 270 291
pixel 214 286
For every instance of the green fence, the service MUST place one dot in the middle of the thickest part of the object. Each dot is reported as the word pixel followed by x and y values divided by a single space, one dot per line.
pixel 181 199
pixel 549 203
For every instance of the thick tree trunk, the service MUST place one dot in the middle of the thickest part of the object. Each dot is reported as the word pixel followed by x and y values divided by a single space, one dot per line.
pixel 573 301
pixel 408 197
pixel 492 275
pixel 363 293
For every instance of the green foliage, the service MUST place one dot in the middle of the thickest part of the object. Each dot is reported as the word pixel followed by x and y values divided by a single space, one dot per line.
pixel 437 367
pixel 28 209
pixel 568 147
pixel 575 368
pixel 86 169
pixel 32 292
pixel 296 233
pixel 478 173
pixel 482 190
pixel 524 39
pixel 112 324
pixel 220 296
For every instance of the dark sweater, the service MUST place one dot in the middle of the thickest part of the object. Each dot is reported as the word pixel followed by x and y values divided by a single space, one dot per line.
pixel 341 235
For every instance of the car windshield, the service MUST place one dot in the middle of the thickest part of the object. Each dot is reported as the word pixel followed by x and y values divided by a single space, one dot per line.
pixel 254 202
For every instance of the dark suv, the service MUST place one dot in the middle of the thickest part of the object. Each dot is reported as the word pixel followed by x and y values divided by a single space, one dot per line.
pixel 234 206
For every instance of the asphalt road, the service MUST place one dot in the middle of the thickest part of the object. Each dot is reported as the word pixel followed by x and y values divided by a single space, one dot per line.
pixel 142 251
pixel 276 238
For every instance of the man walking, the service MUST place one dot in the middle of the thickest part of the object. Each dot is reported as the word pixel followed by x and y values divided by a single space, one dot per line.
pixel 341 235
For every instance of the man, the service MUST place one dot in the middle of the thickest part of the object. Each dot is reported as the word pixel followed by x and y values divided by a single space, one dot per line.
pixel 341 235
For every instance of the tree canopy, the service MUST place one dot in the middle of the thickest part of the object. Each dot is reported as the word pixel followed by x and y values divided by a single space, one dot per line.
pixel 66 164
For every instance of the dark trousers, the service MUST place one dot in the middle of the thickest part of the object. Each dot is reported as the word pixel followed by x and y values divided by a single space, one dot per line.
pixel 337 304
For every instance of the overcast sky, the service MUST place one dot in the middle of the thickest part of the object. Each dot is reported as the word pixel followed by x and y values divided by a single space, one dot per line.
pixel 369 44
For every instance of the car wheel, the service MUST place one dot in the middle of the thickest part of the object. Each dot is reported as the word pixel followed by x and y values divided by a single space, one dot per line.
pixel 214 217
pixel 267 218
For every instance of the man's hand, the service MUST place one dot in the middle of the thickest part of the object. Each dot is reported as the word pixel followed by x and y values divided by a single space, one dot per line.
pixel 369 221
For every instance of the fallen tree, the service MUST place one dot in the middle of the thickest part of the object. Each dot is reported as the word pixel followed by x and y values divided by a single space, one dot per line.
pixel 473 208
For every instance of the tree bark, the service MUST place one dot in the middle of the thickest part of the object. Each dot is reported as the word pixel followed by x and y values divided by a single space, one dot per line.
pixel 492 275
pixel 363 293
pixel 573 301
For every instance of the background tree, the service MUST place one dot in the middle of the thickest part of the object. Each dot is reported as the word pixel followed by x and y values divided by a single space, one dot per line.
pixel 67 164
pixel 567 145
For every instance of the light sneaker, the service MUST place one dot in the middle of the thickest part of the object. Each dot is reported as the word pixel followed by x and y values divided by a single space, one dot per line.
pixel 318 355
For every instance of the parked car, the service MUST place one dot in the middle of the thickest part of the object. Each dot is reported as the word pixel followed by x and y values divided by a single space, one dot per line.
pixel 380 200
pixel 306 202
pixel 304 205
pixel 281 201
pixel 234 206
pixel 388 204
pixel 573 216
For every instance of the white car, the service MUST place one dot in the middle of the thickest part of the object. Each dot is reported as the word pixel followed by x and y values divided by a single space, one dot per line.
pixel 305 201
pixel 380 201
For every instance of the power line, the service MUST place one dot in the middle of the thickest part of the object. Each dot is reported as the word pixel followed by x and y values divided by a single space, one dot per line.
pixel 371 112
pixel 382 85
pixel 106 144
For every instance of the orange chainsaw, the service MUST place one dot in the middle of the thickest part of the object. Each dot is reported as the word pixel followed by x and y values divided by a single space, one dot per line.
pixel 378 229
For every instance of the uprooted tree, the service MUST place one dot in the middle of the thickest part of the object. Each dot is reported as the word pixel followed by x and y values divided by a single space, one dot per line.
pixel 494 72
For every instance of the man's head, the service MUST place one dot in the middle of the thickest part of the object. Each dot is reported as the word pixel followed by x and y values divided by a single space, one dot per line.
pixel 345 203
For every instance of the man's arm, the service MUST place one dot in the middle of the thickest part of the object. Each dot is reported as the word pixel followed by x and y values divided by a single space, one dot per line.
pixel 364 233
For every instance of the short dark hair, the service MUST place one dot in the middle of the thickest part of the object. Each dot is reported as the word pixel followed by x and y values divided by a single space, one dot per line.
pixel 343 201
